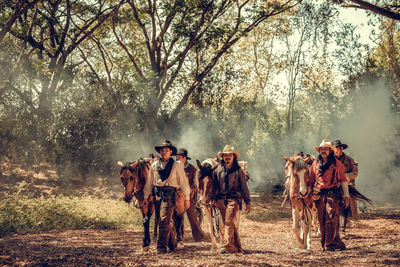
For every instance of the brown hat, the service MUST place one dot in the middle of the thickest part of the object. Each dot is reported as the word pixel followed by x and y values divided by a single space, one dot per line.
pixel 325 143
pixel 338 143
pixel 229 149
pixel 166 143
pixel 183 152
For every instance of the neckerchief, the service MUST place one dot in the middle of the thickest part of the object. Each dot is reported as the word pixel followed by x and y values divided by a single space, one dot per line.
pixel 322 167
pixel 235 167
pixel 166 171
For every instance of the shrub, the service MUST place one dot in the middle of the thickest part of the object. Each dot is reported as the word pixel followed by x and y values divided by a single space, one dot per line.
pixel 20 212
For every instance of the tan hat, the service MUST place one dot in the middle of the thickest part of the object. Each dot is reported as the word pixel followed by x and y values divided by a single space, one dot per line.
pixel 229 149
pixel 325 143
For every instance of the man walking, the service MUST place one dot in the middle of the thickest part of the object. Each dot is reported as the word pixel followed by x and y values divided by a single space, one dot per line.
pixel 229 189
pixel 351 172
pixel 192 214
pixel 164 178
pixel 326 177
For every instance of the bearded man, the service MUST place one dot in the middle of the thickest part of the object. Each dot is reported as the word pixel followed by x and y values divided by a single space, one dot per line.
pixel 228 189
pixel 164 178
pixel 351 172
pixel 327 178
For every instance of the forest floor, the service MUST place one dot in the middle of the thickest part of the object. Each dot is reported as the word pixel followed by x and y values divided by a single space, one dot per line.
pixel 372 240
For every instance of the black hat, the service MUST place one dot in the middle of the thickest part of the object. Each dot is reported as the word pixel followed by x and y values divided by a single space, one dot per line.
pixel 166 143
pixel 183 152
pixel 338 143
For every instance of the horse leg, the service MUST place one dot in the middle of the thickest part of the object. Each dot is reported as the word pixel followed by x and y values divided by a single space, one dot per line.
pixel 306 234
pixel 212 234
pixel 178 220
pixel 296 226
pixel 146 226
pixel 157 204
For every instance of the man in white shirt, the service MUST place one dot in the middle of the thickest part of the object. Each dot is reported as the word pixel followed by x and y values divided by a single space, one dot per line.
pixel 164 178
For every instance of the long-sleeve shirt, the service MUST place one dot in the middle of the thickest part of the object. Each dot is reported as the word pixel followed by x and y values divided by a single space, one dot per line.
pixel 328 179
pixel 351 168
pixel 177 178
pixel 190 171
pixel 234 182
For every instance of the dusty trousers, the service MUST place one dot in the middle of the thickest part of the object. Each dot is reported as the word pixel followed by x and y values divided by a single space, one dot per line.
pixel 166 229
pixel 329 210
pixel 231 241
pixel 193 217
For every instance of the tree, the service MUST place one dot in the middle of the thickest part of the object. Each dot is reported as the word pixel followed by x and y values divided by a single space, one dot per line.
pixel 386 8
pixel 184 38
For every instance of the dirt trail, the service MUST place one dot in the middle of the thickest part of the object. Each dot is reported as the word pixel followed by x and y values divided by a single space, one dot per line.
pixel 371 241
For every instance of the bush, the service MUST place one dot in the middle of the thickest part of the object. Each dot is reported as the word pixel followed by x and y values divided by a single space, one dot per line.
pixel 20 212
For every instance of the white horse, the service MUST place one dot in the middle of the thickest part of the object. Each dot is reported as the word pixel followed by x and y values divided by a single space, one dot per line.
pixel 303 209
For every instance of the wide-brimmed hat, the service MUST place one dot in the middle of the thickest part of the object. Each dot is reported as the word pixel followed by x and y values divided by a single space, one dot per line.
pixel 166 143
pixel 183 152
pixel 227 150
pixel 338 143
pixel 325 143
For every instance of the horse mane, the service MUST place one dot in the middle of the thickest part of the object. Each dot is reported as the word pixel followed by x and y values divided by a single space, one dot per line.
pixel 127 166
pixel 299 163
pixel 140 165
pixel 207 166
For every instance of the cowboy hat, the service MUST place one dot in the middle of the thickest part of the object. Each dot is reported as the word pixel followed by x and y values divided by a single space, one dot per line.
pixel 338 143
pixel 183 152
pixel 227 150
pixel 325 143
pixel 166 143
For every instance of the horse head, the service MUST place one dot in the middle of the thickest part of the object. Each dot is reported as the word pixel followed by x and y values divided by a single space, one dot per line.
pixel 133 177
pixel 204 176
pixel 296 170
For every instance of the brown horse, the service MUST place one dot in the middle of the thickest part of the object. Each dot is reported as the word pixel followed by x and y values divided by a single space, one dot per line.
pixel 214 212
pixel 303 210
pixel 133 177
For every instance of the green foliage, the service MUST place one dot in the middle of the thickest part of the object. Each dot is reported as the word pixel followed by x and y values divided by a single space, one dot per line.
pixel 21 212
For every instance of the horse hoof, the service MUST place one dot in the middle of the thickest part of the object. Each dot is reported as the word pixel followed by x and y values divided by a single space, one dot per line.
pixel 145 249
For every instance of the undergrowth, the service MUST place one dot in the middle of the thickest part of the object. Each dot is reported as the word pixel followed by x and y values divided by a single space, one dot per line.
pixel 21 212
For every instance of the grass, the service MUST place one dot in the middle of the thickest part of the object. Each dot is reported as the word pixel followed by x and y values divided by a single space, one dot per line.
pixel 21 212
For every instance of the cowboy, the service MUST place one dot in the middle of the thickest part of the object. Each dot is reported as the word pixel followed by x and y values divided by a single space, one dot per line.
pixel 351 172
pixel 326 177
pixel 228 189
pixel 164 178
pixel 192 213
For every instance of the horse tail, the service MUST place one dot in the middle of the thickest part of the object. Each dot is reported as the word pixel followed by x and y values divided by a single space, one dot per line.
pixel 354 193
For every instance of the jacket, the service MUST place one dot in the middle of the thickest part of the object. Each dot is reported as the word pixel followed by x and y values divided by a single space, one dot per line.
pixel 229 183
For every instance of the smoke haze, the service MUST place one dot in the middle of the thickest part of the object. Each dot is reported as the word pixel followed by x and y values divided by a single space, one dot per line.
pixel 369 132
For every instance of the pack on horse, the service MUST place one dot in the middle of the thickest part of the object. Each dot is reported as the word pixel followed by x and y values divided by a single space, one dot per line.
pixel 303 208
pixel 133 177
pixel 212 212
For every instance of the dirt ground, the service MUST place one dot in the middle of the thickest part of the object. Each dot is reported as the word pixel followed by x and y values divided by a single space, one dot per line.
pixel 372 240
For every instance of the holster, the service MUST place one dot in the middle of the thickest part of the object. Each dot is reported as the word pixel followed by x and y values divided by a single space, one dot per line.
pixel 236 196
pixel 329 192
pixel 165 193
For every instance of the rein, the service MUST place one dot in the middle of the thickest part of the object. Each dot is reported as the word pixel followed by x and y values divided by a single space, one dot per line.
pixel 215 219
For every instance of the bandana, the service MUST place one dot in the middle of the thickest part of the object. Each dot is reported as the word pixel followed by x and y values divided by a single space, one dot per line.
pixel 166 171
pixel 322 167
